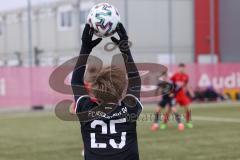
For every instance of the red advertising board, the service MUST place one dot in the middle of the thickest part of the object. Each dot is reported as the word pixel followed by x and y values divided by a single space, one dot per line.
pixel 25 87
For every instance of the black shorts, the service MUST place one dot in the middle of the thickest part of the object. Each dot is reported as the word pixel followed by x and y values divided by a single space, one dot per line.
pixel 166 100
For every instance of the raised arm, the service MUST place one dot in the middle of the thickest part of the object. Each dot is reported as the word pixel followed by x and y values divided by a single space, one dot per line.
pixel 134 80
pixel 78 74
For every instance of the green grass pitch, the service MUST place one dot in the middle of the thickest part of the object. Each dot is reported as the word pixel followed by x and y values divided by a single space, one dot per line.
pixel 41 136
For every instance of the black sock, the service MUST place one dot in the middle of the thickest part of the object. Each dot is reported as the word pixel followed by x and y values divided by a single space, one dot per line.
pixel 156 119
pixel 177 117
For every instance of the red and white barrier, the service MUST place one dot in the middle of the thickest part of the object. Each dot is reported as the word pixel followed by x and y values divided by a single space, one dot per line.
pixel 26 87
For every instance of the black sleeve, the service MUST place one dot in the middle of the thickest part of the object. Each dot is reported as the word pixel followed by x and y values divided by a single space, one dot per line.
pixel 83 104
pixel 134 80
pixel 134 106
pixel 77 81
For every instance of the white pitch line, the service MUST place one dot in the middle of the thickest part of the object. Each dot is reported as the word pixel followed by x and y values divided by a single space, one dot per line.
pixel 216 119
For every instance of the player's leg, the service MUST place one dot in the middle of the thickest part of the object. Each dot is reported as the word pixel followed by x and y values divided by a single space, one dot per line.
pixel 178 118
pixel 157 116
pixel 185 103
pixel 164 104
pixel 188 116
pixel 178 102
pixel 166 116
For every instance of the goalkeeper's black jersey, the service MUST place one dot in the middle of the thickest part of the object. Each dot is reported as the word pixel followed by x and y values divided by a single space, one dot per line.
pixel 109 135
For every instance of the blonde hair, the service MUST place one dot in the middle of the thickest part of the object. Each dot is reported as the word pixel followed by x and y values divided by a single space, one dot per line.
pixel 109 84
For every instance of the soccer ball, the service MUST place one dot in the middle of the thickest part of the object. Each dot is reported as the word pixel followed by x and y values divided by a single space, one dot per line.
pixel 104 18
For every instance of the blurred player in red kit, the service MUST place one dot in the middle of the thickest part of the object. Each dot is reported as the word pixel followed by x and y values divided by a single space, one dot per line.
pixel 180 81
pixel 167 102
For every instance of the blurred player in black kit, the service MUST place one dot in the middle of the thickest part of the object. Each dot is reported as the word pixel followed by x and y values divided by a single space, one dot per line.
pixel 109 133
pixel 167 102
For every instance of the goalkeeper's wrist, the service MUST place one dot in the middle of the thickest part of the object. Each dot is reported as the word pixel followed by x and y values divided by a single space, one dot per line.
pixel 124 46
pixel 85 50
pixel 125 51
